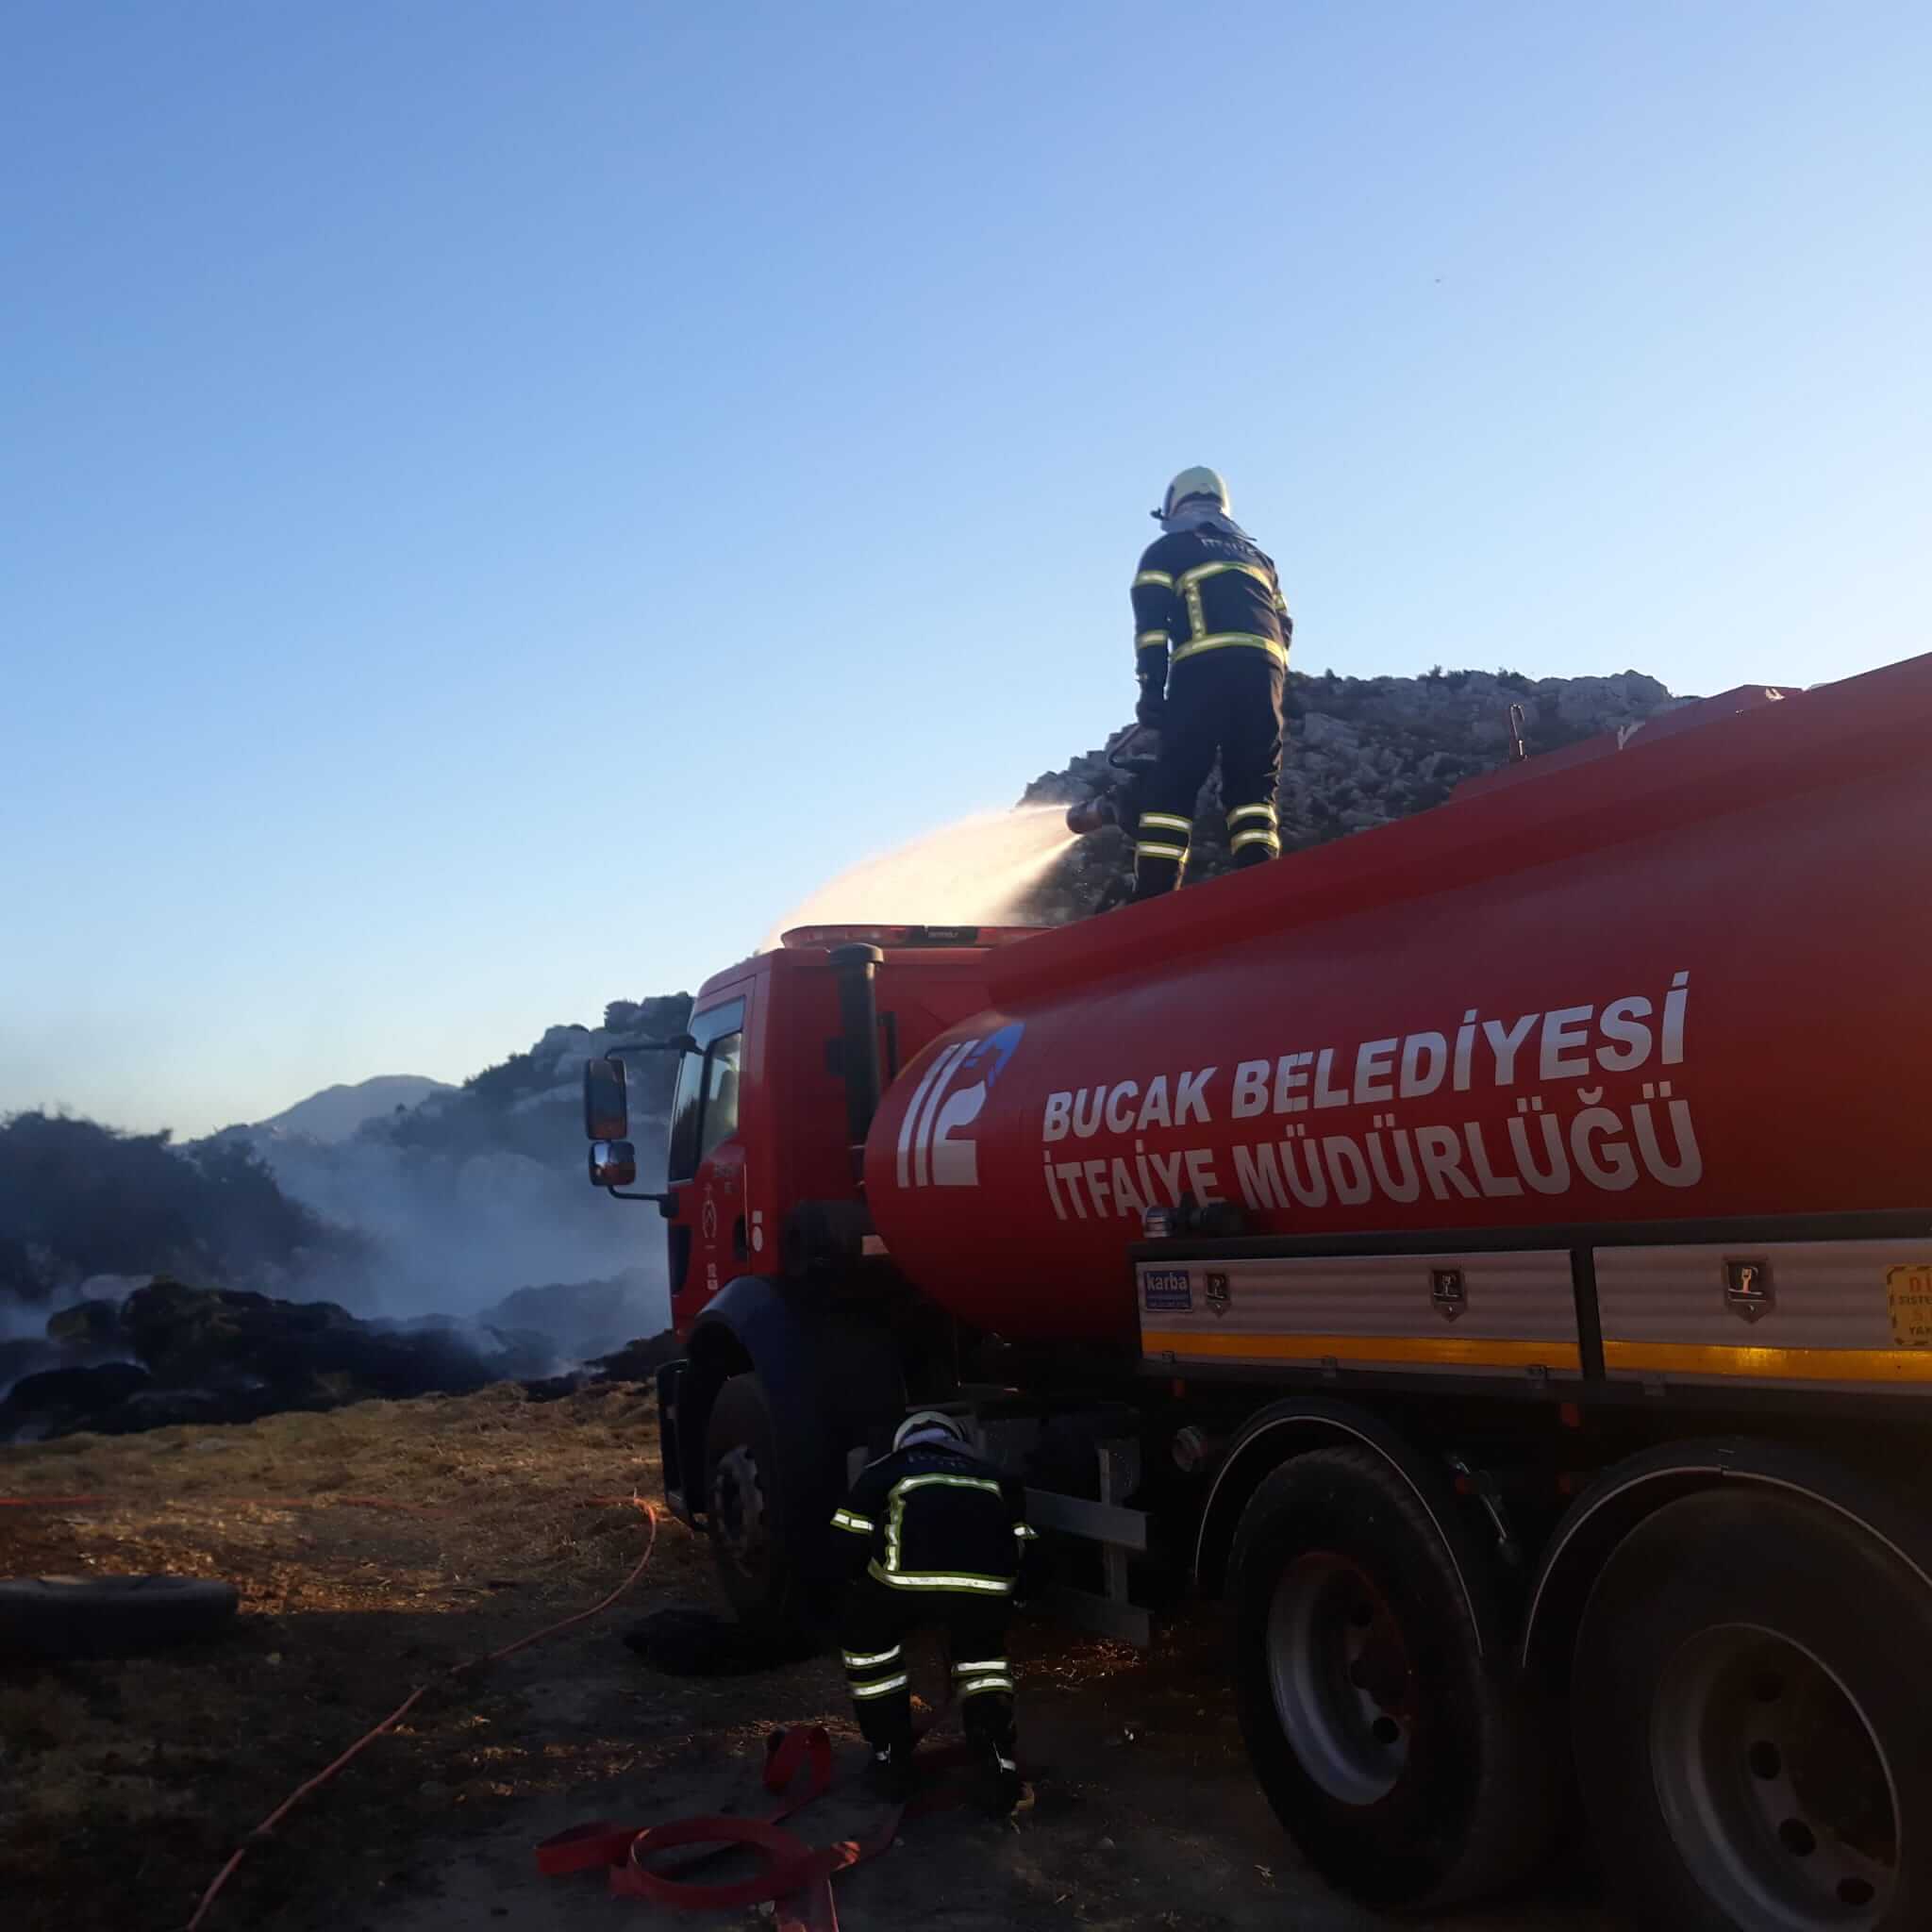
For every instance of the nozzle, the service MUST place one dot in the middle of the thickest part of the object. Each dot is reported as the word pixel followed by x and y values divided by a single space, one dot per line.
pixel 1091 815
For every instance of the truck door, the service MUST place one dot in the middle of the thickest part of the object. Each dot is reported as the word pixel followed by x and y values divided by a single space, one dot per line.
pixel 705 1169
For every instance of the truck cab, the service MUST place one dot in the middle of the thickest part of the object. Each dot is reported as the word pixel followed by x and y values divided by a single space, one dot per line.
pixel 770 1255
pixel 760 1170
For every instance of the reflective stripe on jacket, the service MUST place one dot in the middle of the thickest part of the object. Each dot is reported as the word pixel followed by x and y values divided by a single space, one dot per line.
pixel 928 1518
pixel 1200 590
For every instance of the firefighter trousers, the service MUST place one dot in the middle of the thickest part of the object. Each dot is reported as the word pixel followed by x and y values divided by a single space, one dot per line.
pixel 872 1635
pixel 1226 701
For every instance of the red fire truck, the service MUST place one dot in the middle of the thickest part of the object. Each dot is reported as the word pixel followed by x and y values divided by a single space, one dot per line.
pixel 1493 1254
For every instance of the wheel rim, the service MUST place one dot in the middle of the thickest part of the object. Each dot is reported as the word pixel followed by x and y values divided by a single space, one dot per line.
pixel 1773 1784
pixel 739 1526
pixel 1343 1682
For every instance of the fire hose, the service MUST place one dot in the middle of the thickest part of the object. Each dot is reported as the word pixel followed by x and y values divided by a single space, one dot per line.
pixel 794 1878
pixel 459 1672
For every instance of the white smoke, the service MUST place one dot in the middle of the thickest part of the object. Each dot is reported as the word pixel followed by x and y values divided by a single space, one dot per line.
pixel 453 1233
pixel 24 1345
pixel 28 1320
pixel 975 871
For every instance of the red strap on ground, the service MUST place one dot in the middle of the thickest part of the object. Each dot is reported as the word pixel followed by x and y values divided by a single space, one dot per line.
pixel 793 1875
pixel 586 1848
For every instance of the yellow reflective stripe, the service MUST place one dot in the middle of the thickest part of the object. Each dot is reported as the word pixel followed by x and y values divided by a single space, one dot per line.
pixel 1874 1365
pixel 1147 849
pixel 939 1579
pixel 874 1662
pixel 1220 640
pixel 846 1519
pixel 896 1521
pixel 1461 1351
pixel 1166 821
pixel 980 1685
pixel 1157 578
pixel 1202 571
pixel 1145 639
pixel 1267 838
pixel 1252 811
pixel 884 1688
pixel 990 1666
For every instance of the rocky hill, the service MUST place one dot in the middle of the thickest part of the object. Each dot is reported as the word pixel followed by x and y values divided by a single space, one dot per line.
pixel 1361 751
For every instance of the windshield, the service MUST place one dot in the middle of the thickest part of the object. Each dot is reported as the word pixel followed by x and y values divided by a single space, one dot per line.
pixel 704 1109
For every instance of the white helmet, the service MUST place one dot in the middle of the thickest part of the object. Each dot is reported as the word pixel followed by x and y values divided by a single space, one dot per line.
pixel 928 1422
pixel 1199 481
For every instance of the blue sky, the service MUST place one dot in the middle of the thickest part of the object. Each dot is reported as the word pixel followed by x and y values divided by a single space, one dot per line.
pixel 497 501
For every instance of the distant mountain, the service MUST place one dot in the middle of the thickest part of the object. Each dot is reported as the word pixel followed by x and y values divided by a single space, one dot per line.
pixel 338 1111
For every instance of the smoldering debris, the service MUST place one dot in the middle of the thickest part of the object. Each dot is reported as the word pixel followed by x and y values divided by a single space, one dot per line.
pixel 183 1354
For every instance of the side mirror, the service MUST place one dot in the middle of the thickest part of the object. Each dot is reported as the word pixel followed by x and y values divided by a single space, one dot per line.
pixel 613 1164
pixel 606 1104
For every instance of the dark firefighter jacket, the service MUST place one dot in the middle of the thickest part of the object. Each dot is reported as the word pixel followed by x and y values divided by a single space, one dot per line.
pixel 1202 591
pixel 932 1517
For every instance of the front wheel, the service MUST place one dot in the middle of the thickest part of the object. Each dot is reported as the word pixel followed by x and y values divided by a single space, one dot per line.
pixel 1403 1766
pixel 1752 1715
pixel 754 1509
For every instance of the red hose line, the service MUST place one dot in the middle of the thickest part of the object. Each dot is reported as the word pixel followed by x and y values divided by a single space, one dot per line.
pixel 294 1798
pixel 369 1737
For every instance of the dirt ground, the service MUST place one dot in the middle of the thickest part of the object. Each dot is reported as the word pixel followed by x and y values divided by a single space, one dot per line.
pixel 377 1545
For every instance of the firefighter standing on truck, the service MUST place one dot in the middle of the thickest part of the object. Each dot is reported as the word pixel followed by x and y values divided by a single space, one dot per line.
pixel 935 1536
pixel 1211 633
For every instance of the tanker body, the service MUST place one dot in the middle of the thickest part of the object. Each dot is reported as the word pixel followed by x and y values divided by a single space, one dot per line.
pixel 1492 1254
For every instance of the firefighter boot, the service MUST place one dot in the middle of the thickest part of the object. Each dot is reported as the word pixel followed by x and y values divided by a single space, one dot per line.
pixel 987 1719
pixel 885 1723
pixel 889 1773
pixel 1005 1789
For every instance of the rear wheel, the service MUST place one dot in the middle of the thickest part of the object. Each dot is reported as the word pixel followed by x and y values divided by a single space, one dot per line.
pixel 757 1540
pixel 1751 1710
pixel 1406 1769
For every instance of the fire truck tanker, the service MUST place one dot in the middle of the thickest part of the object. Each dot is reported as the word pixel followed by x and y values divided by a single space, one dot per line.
pixel 1492 1254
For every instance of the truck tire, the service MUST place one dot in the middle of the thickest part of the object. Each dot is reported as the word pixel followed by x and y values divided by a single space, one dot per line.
pixel 1751 1709
pixel 756 1541
pixel 1409 1772
pixel 108 1616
